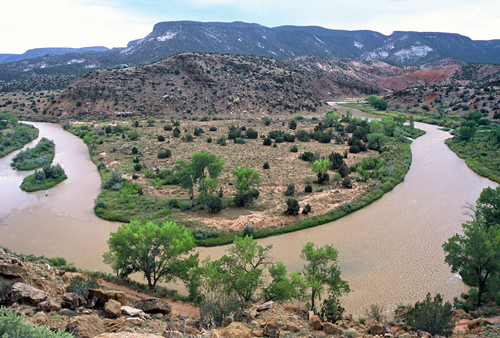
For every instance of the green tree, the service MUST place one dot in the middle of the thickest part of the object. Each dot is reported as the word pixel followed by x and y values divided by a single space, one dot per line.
pixel 284 286
pixel 322 270
pixel 204 162
pixel 247 180
pixel 488 207
pixel 475 255
pixel 432 316
pixel 158 251
pixel 241 269
pixel 320 167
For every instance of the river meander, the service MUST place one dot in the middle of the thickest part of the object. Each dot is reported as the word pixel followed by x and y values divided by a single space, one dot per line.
pixel 390 251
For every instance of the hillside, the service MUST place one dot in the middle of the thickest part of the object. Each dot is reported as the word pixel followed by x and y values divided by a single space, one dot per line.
pixel 169 38
pixel 201 85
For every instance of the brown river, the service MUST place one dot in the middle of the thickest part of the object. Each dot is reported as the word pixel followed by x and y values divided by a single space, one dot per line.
pixel 389 252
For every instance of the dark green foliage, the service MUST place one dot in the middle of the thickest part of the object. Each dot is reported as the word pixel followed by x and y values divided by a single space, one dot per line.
pixel 22 134
pixel 101 165
pixel 176 132
pixel 212 203
pixel 188 138
pixel 302 136
pixel 133 135
pixel 275 134
pixel 167 127
pixel 114 181
pixel 307 156
pixel 212 128
pixel 137 167
pixel 81 286
pixel 100 206
pixel 5 289
pixel 203 234
pixel 14 326
pixel 32 158
pixel 324 138
pixel 239 140
pixel 252 134
pixel 58 261
pixel 279 139
pixel 44 179
pixel 198 131
pixel 294 149
pixel 331 311
pixel 164 153
pixel 161 138
pixel 266 165
pixel 432 316
pixel 136 159
pixel 248 230
pixel 308 188
pixel 344 170
pixel 306 209
pixel 267 141
pixel 377 102
pixel 290 189
pixel 134 151
pixel 292 207
pixel 347 183
pixel 288 137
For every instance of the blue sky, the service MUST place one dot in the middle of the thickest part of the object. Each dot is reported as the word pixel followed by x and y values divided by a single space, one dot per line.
pixel 27 24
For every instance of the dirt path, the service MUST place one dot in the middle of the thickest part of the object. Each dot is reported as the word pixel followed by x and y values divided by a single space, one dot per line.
pixel 184 309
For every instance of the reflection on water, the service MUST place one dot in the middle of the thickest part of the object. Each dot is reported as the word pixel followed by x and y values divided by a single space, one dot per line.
pixel 390 252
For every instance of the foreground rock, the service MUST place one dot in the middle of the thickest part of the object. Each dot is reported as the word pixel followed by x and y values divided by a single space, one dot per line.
pixel 153 305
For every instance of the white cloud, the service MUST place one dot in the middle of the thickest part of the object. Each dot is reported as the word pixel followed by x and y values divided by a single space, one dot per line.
pixel 66 23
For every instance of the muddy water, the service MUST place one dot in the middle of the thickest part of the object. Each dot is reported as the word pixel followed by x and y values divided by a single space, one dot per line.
pixel 59 221
pixel 390 252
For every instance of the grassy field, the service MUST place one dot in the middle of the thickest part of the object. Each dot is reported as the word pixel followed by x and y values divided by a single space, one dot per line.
pixel 150 195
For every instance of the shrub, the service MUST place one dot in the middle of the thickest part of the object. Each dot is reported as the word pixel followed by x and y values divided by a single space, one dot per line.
pixel 134 151
pixel 302 136
pixel 306 209
pixel 212 128
pixel 292 124
pixel 136 159
pixel 290 189
pixel 215 308
pixel 252 134
pixel 347 183
pixel 101 165
pixel 100 206
pixel 58 261
pixel 198 131
pixel 289 137
pixel 267 141
pixel 114 181
pixel 209 140
pixel 266 165
pixel 331 311
pixel 13 325
pixel 308 188
pixel 176 132
pixel 376 313
pixel 81 286
pixel 164 153
pixel 307 156
pixel 432 316
pixel 248 230
pixel 167 127
pixel 188 138
pixel 239 140
pixel 137 167
pixel 161 138
pixel 294 149
pixel 292 207
pixel 279 139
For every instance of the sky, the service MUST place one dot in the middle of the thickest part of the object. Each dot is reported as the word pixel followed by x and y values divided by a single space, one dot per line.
pixel 27 24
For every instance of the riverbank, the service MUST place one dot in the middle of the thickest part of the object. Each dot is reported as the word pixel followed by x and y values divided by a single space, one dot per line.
pixel 153 193
pixel 60 301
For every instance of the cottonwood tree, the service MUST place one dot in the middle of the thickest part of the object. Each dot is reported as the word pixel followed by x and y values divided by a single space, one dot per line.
pixel 320 168
pixel 240 270
pixel 160 252
pixel 247 180
pixel 203 165
pixel 322 272
pixel 475 254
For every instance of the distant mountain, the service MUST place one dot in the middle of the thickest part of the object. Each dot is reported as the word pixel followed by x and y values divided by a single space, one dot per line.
pixel 37 52
pixel 169 38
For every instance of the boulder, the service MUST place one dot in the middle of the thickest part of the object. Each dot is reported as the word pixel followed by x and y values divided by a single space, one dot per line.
pixel 12 271
pixel 27 294
pixel 330 328
pixel 271 330
pixel 72 301
pixel 291 326
pixel 54 290
pixel 112 309
pixel 49 305
pixel 376 329
pixel 102 296
pixel 39 318
pixel 86 326
pixel 133 312
pixel 115 325
pixel 316 323
pixel 233 330
pixel 172 334
pixel 153 305
pixel 265 306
